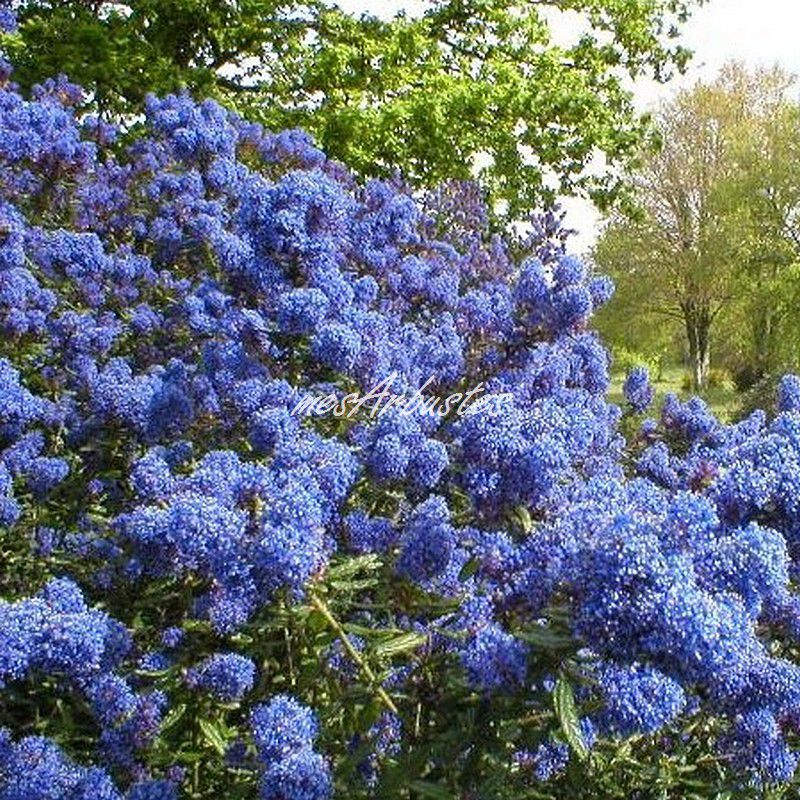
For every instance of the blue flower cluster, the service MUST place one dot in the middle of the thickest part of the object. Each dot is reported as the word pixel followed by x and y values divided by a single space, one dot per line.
pixel 249 529
pixel 24 420
pixel 228 676
pixel 284 732
pixel 637 389
pixel 55 634
pixel 34 767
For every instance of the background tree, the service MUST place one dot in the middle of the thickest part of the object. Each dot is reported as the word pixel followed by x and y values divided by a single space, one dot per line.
pixel 465 83
pixel 763 327
pixel 687 253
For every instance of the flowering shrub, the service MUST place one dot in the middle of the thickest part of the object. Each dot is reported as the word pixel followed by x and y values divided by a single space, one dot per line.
pixel 232 597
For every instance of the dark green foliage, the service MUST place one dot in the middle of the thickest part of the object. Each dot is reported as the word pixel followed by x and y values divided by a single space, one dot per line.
pixel 526 94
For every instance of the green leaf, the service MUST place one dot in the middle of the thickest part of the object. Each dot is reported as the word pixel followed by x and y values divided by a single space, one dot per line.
pixel 354 585
pixel 213 734
pixel 400 644
pixel 353 566
pixel 567 713
pixel 545 638
pixel 174 715
pixel 365 632
pixel 469 569
pixel 522 516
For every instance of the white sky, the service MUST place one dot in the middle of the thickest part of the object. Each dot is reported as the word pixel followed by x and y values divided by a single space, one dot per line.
pixel 758 32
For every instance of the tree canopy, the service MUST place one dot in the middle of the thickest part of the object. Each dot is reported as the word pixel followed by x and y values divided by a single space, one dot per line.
pixel 714 238
pixel 464 87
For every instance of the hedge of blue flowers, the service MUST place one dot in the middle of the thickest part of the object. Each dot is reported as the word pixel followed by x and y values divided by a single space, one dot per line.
pixel 210 595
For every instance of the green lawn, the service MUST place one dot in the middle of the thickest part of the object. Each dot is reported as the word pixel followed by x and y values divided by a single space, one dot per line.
pixel 721 399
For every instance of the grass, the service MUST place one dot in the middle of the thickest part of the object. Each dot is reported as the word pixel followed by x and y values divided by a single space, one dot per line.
pixel 722 399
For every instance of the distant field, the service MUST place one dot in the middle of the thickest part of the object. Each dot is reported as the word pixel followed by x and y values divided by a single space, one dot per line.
pixel 722 399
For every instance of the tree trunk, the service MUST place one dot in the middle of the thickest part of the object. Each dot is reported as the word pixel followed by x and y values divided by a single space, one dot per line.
pixel 763 344
pixel 766 313
pixel 697 319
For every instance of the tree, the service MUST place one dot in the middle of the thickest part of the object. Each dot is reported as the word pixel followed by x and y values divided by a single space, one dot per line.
pixel 680 256
pixel 765 193
pixel 466 86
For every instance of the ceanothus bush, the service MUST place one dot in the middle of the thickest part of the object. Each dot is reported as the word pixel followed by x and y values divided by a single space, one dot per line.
pixel 233 596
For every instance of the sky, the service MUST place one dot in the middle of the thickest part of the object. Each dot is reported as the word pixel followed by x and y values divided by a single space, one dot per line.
pixel 757 32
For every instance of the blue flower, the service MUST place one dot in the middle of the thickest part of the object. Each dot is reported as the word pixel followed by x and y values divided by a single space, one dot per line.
pixel 637 699
pixel 304 775
pixel 228 676
pixel 427 542
pixel 637 389
pixel 282 728
pixel 337 346
pixel 494 659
